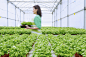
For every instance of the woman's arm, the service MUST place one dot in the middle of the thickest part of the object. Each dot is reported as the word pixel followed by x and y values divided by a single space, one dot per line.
pixel 27 27
pixel 31 28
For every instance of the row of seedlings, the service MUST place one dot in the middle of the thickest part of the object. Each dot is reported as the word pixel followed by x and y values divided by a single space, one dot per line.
pixel 42 48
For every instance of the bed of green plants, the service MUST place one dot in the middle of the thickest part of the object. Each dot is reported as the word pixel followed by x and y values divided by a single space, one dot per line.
pixel 68 45
pixel 27 23
pixel 42 49
pixel 23 48
pixel 7 37
pixel 16 45
pixel 4 27
pixel 15 31
pixel 62 30
pixel 6 45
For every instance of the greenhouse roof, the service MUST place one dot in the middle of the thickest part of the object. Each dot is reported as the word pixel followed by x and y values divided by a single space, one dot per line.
pixel 27 5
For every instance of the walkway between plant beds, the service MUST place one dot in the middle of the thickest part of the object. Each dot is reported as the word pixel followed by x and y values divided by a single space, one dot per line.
pixel 31 52
pixel 52 52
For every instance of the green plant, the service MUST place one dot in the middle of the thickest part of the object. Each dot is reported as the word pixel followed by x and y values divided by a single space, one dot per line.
pixel 33 23
pixel 24 23
pixel 29 23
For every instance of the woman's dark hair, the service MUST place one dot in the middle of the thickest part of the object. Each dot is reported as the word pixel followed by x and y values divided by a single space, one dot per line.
pixel 39 10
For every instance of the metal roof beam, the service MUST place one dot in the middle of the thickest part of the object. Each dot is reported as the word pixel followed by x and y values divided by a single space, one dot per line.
pixel 16 6
pixel 35 1
pixel 32 10
pixel 53 5
pixel 42 13
pixel 32 7
pixel 56 6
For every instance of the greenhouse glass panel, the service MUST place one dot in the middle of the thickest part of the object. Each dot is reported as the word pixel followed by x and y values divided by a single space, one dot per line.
pixel 3 22
pixel 11 11
pixel 3 9
pixel 11 22
pixel 58 23
pixel 77 20
pixel 75 6
pixel 18 23
pixel 64 22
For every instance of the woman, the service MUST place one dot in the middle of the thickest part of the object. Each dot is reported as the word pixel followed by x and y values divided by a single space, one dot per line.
pixel 37 19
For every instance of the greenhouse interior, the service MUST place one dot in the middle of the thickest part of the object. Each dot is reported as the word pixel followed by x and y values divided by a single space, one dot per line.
pixel 42 28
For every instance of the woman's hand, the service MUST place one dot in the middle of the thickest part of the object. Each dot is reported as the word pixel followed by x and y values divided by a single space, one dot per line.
pixel 27 27
pixel 35 28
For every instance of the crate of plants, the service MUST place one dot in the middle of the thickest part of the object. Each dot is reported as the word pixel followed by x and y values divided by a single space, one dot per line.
pixel 23 24
pixel 29 24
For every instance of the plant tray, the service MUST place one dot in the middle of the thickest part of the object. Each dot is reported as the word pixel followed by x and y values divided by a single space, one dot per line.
pixel 78 55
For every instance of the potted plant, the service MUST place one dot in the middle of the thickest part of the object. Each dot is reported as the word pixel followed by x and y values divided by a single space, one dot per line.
pixel 23 24
pixel 29 24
